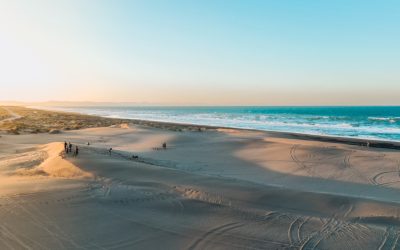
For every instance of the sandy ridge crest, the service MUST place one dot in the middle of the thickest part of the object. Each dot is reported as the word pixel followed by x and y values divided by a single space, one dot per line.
pixel 53 164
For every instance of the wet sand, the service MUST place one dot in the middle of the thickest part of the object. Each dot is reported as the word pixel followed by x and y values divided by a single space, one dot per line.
pixel 215 189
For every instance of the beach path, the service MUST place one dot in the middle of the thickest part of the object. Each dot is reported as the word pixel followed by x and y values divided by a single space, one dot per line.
pixel 13 115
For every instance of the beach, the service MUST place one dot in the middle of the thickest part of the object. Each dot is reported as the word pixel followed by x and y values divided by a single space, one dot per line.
pixel 361 122
pixel 211 188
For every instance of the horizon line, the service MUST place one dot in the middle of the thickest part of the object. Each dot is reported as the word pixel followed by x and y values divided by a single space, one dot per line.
pixel 99 103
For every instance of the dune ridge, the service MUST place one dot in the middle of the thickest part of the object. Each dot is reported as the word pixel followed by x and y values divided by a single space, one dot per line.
pixel 45 160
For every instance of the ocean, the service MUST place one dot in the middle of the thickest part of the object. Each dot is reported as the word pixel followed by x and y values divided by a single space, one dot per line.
pixel 378 122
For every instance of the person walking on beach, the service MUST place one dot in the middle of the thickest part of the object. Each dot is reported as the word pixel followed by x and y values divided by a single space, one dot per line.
pixel 76 151
pixel 66 147
pixel 70 147
pixel 109 151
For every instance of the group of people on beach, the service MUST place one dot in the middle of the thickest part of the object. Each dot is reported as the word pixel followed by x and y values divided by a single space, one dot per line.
pixel 163 146
pixel 68 149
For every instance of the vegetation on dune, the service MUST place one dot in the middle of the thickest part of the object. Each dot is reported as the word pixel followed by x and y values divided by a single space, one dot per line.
pixel 4 114
pixel 42 121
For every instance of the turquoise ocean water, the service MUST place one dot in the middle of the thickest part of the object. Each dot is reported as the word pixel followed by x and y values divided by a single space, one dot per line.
pixel 379 122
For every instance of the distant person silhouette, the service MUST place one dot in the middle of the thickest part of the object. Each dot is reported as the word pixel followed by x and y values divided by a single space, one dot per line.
pixel 70 147
pixel 110 150
pixel 76 151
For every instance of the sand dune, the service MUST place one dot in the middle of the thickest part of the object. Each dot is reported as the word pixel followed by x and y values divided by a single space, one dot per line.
pixel 56 166
pixel 46 160
pixel 225 189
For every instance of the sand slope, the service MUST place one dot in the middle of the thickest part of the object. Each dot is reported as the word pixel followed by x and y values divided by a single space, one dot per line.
pixel 46 160
pixel 223 189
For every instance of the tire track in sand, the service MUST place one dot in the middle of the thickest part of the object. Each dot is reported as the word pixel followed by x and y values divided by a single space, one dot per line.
pixel 298 162
pixel 390 239
pixel 294 231
pixel 315 239
pixel 347 165
pixel 13 237
pixel 16 209
pixel 214 232
pixel 331 226
pixel 14 116
pixel 293 234
pixel 375 178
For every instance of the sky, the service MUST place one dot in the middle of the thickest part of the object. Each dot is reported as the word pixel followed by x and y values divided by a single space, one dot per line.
pixel 205 52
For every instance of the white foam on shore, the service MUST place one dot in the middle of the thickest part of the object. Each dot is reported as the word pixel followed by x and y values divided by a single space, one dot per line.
pixel 379 128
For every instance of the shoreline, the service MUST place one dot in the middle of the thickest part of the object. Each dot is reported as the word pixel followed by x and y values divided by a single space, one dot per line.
pixel 376 143
pixel 323 138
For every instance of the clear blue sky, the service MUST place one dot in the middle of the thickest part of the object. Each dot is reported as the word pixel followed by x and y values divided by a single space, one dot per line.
pixel 280 52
